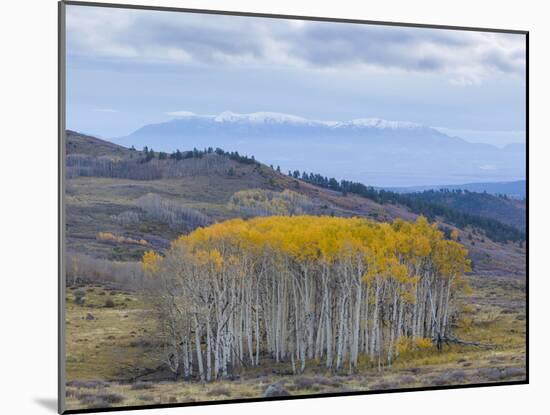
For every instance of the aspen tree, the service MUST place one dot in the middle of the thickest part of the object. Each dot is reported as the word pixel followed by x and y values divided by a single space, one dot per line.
pixel 300 288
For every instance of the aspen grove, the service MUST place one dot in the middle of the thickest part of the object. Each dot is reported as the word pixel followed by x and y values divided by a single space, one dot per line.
pixel 302 289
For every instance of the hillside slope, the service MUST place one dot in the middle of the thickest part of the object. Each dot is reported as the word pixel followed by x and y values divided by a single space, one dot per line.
pixel 77 143
pixel 119 204
pixel 509 211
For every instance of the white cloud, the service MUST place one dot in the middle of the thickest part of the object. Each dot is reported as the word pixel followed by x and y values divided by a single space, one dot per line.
pixel 466 58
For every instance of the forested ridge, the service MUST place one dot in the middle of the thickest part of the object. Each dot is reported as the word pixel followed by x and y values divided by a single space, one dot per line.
pixel 147 164
pixel 295 289
pixel 506 210
pixel 422 203
pixel 92 157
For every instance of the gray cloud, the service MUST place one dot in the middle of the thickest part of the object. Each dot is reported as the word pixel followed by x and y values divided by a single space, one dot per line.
pixel 411 49
pixel 204 43
pixel 336 45
pixel 151 36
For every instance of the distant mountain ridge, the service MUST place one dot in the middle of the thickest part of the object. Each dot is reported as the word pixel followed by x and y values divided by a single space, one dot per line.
pixel 370 150
pixel 230 123
pixel 515 189
pixel 267 117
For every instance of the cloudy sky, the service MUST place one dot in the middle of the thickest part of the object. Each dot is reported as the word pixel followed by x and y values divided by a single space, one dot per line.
pixel 127 68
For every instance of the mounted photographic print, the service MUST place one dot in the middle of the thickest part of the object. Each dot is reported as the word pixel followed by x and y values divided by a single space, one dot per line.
pixel 263 207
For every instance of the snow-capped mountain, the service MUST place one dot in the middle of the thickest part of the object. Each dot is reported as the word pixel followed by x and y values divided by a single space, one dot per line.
pixel 263 118
pixel 380 124
pixel 266 117
pixel 280 118
pixel 371 150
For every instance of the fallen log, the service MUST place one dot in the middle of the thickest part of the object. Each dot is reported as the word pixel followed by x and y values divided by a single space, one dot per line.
pixel 455 340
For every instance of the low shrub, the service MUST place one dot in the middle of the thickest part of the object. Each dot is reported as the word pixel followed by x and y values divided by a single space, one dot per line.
pixel 111 397
pixel 79 297
pixel 141 386
pixel 304 383
pixel 456 376
pixel 490 373
pixel 512 372
pixel 384 386
pixel 406 379
pixel 87 384
pixel 334 383
pixel 220 390
pixel 439 380
pixel 146 398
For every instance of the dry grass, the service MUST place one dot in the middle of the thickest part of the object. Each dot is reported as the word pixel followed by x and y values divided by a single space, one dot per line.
pixel 93 203
pixel 112 346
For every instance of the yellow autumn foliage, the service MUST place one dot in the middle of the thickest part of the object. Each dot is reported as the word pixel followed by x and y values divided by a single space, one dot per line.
pixel 150 261
pixel 384 250
pixel 408 344
pixel 392 286
pixel 117 239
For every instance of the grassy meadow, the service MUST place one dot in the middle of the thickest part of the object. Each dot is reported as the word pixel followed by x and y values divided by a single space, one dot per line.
pixel 112 362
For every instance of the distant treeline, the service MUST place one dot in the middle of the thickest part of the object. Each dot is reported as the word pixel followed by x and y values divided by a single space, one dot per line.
pixel 83 268
pixel 84 165
pixel 149 154
pixel 152 168
pixel 499 207
pixel 418 204
pixel 176 215
pixel 151 165
pixel 262 202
